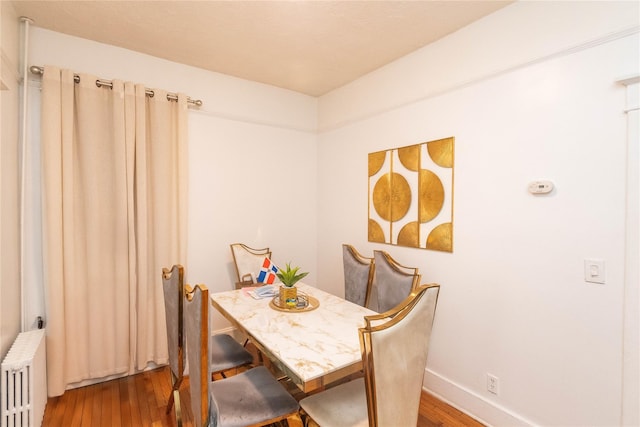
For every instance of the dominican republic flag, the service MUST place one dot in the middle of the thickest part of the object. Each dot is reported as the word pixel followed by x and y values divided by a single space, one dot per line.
pixel 267 272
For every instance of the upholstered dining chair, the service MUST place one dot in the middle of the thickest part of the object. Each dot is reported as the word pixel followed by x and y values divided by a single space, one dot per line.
pixel 394 355
pixel 172 286
pixel 392 282
pixel 248 261
pixel 358 275
pixel 250 398
pixel 226 353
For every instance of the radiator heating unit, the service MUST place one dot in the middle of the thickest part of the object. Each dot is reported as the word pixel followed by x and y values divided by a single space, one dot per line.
pixel 24 381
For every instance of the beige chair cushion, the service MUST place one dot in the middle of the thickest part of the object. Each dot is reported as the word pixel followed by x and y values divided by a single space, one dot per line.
pixel 340 406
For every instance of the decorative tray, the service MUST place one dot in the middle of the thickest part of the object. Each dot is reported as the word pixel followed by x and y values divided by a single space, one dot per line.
pixel 305 303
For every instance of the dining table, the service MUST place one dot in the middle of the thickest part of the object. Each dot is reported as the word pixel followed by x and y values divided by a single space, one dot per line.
pixel 314 346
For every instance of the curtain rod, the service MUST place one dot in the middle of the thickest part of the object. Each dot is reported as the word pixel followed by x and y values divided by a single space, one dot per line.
pixel 108 83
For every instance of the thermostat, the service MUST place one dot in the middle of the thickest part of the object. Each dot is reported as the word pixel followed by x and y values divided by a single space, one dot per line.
pixel 540 187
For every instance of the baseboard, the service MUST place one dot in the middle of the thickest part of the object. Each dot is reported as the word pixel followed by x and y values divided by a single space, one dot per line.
pixel 472 404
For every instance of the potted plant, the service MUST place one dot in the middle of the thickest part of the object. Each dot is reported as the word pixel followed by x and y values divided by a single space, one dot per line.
pixel 289 276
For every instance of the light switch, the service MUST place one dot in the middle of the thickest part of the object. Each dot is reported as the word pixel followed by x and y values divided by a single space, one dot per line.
pixel 594 270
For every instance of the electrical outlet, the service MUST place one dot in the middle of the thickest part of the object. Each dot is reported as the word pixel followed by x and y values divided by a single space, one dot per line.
pixel 493 384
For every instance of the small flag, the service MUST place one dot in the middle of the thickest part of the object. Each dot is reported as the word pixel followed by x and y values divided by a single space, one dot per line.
pixel 268 272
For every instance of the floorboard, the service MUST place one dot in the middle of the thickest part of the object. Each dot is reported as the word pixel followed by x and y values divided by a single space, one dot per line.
pixel 140 400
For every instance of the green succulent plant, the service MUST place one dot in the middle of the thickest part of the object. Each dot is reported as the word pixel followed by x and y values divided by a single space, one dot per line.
pixel 289 276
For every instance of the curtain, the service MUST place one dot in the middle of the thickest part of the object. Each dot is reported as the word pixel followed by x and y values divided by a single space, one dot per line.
pixel 114 213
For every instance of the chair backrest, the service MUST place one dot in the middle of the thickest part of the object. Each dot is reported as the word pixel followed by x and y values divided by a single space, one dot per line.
pixel 358 275
pixel 196 304
pixel 394 354
pixel 248 260
pixel 172 286
pixel 392 282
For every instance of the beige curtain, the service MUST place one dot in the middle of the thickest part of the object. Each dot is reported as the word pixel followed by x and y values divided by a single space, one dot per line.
pixel 114 214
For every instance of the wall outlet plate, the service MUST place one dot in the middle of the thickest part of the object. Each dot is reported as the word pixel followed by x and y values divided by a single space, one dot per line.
pixel 493 384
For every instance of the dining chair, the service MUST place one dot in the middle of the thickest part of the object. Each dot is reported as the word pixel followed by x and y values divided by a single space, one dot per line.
pixel 358 275
pixel 392 282
pixel 226 353
pixel 172 286
pixel 250 398
pixel 248 261
pixel 394 348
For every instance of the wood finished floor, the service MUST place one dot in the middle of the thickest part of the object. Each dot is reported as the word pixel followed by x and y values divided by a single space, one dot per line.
pixel 140 400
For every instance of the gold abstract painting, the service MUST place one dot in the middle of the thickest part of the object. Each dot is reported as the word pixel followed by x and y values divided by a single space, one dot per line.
pixel 411 195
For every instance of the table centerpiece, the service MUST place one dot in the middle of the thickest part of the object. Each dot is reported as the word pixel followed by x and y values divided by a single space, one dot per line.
pixel 288 293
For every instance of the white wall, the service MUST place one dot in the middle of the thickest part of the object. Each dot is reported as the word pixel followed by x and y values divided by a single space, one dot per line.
pixel 513 301
pixel 252 169
pixel 9 180
pixel 252 184
pixel 631 364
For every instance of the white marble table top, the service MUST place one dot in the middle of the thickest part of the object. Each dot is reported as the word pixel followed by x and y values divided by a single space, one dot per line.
pixel 313 348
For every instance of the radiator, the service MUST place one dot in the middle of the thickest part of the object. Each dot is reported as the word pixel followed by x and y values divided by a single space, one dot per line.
pixel 24 381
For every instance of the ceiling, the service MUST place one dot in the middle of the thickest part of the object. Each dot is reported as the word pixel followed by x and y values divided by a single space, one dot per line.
pixel 309 46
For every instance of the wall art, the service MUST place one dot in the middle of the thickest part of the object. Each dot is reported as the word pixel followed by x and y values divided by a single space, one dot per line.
pixel 411 195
